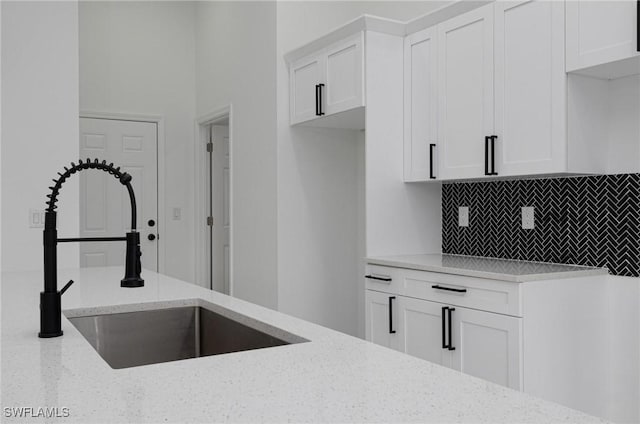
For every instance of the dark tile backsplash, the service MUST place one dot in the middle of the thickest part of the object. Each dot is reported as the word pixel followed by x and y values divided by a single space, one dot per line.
pixel 592 220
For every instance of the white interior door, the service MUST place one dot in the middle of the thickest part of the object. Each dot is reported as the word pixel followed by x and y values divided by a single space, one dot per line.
pixel 465 92
pixel 105 209
pixel 220 209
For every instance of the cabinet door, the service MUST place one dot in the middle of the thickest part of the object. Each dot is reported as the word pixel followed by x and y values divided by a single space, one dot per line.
pixel 420 106
pixel 465 88
pixel 488 346
pixel 421 328
pixel 381 321
pixel 344 75
pixel 530 87
pixel 304 75
pixel 600 32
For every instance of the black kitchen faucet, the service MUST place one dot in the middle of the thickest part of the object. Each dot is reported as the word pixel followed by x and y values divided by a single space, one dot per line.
pixel 50 298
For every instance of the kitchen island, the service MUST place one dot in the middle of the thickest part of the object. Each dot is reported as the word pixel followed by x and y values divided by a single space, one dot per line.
pixel 331 378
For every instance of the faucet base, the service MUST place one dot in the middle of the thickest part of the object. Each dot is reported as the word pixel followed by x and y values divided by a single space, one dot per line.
pixel 132 282
pixel 50 315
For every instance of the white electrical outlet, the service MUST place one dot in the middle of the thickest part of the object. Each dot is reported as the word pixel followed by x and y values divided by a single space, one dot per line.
pixel 528 218
pixel 36 218
pixel 463 216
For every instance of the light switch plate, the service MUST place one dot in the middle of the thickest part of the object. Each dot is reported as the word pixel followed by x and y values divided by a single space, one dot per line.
pixel 177 214
pixel 528 217
pixel 463 216
pixel 36 218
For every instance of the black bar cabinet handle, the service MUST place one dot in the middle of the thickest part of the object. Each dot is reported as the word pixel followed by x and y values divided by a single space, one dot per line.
pixel 317 100
pixel 486 155
pixel 431 147
pixel 493 154
pixel 320 99
pixel 391 330
pixel 444 326
pixel 436 286
pixel 638 25
pixel 449 311
pixel 374 277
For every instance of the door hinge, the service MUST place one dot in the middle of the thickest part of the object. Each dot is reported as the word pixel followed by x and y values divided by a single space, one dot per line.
pixel 210 221
pixel 209 147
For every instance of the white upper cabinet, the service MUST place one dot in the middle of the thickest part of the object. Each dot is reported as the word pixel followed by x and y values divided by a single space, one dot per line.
pixel 344 80
pixel 421 105
pixel 328 82
pixel 465 75
pixel 599 32
pixel 530 88
pixel 305 76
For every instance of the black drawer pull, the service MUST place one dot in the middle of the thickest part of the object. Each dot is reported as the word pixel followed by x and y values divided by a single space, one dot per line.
pixel 449 289
pixel 444 328
pixel 449 311
pixel 373 277
pixel 431 174
pixel 391 330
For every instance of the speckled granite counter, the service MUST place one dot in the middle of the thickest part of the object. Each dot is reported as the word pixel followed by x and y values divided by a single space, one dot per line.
pixel 496 269
pixel 331 378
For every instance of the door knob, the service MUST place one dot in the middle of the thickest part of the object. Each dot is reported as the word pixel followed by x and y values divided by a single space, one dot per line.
pixel 151 223
pixel 151 237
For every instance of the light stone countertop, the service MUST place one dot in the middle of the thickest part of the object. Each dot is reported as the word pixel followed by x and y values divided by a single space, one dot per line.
pixel 491 268
pixel 332 378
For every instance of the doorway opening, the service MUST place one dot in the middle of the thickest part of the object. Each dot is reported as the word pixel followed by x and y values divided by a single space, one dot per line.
pixel 133 144
pixel 214 230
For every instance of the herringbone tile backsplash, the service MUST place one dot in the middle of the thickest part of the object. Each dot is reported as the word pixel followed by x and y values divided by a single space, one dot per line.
pixel 592 221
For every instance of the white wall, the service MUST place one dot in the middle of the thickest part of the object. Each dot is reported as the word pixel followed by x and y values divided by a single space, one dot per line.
pixel 139 57
pixel 236 63
pixel 40 125
pixel 320 205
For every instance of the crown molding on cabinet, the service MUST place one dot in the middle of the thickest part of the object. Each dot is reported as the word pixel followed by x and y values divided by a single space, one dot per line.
pixel 385 26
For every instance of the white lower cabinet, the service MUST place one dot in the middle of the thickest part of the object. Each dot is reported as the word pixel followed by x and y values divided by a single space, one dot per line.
pixel 483 344
pixel 420 327
pixel 380 316
pixel 488 346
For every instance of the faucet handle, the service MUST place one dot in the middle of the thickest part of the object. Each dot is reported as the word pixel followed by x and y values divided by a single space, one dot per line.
pixel 66 286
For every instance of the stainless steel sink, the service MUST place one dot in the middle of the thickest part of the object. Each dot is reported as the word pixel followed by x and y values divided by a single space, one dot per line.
pixel 131 339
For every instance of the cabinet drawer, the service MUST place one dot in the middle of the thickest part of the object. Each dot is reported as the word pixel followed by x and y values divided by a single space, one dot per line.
pixel 382 278
pixel 478 293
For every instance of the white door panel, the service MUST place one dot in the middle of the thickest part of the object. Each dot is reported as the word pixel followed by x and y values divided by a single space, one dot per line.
pixel 220 192
pixel 600 32
pixel 344 79
pixel 378 326
pixel 105 209
pixel 420 326
pixel 304 75
pixel 488 346
pixel 465 74
pixel 420 105
pixel 530 84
